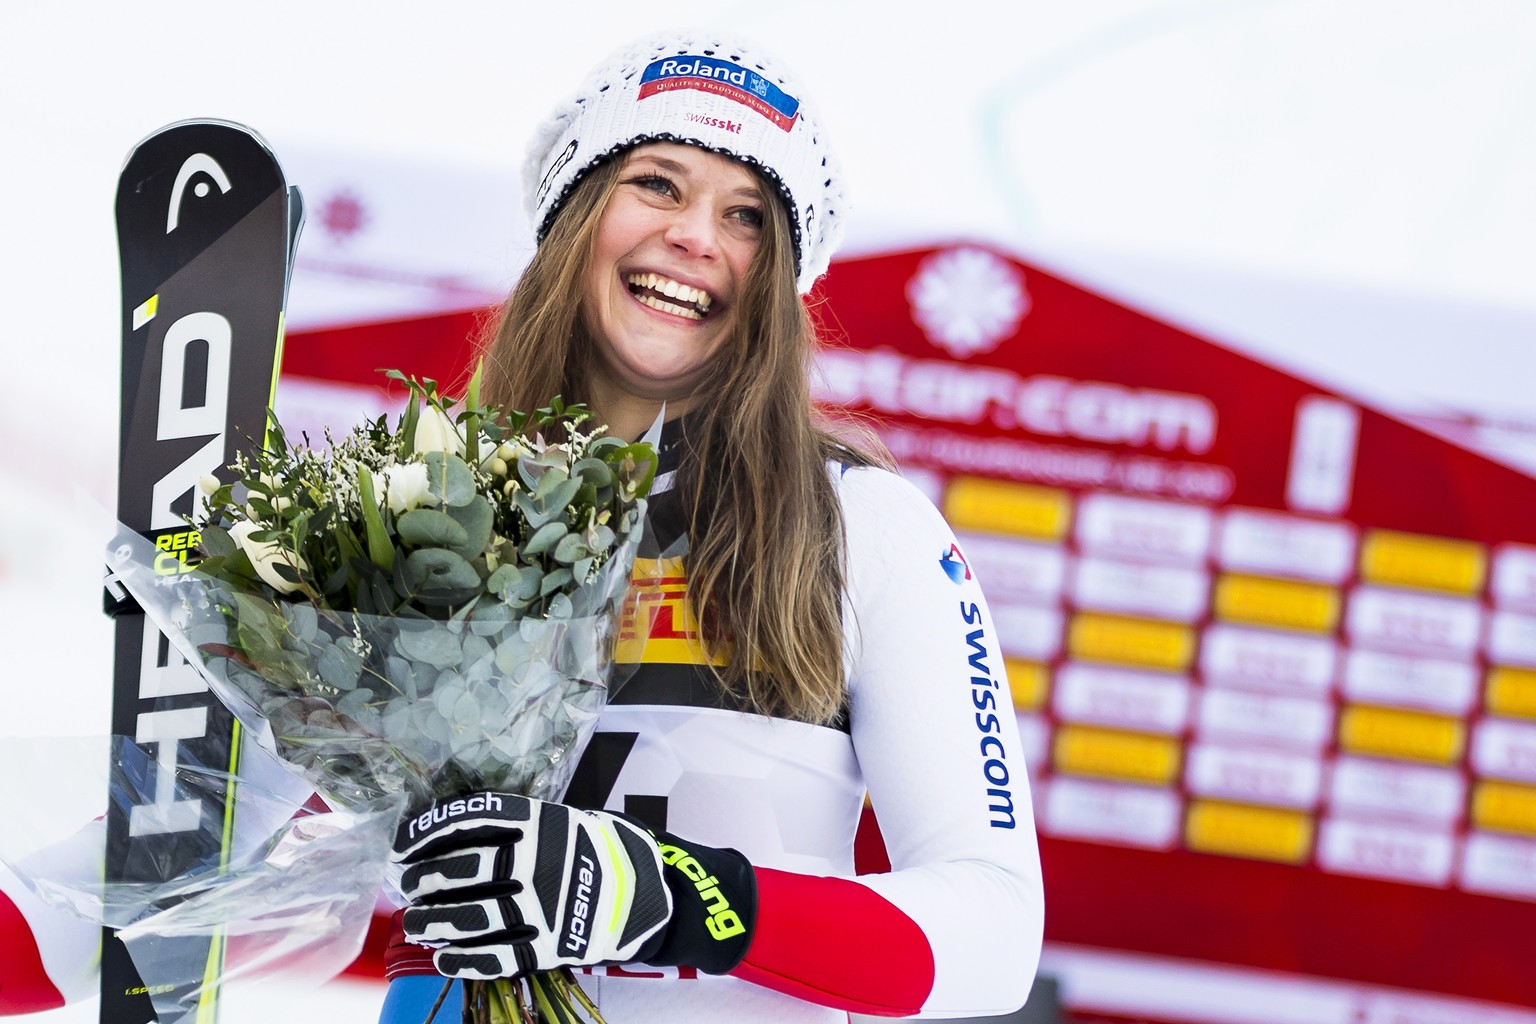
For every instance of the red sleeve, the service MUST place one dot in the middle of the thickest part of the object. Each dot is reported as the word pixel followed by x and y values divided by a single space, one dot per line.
pixel 402 957
pixel 837 943
pixel 24 984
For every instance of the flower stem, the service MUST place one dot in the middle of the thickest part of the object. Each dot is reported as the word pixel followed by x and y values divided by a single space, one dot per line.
pixel 448 984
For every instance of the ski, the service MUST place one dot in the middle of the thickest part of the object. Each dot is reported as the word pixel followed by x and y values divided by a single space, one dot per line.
pixel 206 228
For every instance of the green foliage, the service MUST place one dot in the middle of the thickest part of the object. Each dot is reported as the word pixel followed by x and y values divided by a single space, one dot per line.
pixel 410 618
pixel 336 523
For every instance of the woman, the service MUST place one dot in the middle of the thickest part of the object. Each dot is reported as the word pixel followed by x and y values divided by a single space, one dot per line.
pixel 820 634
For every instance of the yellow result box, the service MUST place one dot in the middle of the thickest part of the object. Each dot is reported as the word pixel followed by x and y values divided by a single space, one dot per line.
pixel 1504 807
pixel 1112 754
pixel 1430 563
pixel 1241 830
pixel 996 506
pixel 1511 691
pixel 1030 681
pixel 1406 735
pixel 1144 642
pixel 1284 603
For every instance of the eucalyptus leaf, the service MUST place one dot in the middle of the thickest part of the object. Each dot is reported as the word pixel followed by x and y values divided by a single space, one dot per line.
pixel 353 704
pixel 553 477
pixel 450 687
pixel 572 547
pixel 477 517
pixel 436 647
pixel 559 497
pixel 466 711
pixel 594 472
pixel 383 598
pixel 599 537
pixel 398 671
pixel 436 569
pixel 427 527
pixel 339 666
pixel 216 541
pixel 303 620
pixel 500 583
pixel 476 647
pixel 449 479
pixel 535 515
pixel 554 581
pixel 490 616
pixel 545 538
pixel 465 744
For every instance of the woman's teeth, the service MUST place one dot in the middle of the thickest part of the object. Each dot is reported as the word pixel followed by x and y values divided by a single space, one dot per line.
pixel 670 296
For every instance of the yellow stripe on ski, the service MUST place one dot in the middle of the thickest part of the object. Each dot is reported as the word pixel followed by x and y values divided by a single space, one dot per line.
pixel 146 311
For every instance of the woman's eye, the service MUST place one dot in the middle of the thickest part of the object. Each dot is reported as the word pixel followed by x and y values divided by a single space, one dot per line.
pixel 749 215
pixel 653 183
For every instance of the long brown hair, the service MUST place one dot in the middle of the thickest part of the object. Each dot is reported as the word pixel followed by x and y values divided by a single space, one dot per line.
pixel 766 553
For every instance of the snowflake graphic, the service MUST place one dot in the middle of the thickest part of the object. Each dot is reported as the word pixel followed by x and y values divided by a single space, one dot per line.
pixel 967 300
pixel 343 216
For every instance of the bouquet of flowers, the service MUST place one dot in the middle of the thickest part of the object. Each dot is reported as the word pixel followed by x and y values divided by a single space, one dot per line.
pixel 423 610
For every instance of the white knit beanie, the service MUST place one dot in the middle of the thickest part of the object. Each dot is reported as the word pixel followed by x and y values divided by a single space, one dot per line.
pixel 704 90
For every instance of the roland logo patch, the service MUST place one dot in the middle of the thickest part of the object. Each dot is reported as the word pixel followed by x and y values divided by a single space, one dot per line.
pixel 723 78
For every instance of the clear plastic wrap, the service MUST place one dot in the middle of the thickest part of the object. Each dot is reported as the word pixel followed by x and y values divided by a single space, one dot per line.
pixel 295 894
pixel 366 706
pixel 374 713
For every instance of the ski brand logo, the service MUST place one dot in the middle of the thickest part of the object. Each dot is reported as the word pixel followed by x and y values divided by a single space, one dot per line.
pixel 722 78
pixel 581 907
pixel 197 162
pixel 188 407
pixel 440 813
pixel 583 898
pixel 208 336
pixel 954 564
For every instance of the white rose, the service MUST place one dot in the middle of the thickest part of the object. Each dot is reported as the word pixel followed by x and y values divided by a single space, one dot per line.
pixel 436 432
pixel 263 556
pixel 405 486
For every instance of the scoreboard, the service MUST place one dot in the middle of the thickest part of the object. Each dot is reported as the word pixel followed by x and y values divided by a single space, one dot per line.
pixel 1273 651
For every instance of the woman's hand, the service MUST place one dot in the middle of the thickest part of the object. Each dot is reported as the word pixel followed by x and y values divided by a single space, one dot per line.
pixel 503 885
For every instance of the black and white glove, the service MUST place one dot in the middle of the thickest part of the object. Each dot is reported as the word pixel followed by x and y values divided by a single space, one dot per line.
pixel 502 885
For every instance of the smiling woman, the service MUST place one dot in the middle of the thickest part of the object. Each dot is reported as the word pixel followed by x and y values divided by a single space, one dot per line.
pixel 670 257
pixel 803 629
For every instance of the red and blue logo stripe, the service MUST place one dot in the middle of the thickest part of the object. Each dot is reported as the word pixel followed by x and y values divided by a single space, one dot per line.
pixel 723 78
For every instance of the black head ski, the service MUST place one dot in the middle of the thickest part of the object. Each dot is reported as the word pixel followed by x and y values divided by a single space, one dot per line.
pixel 206 227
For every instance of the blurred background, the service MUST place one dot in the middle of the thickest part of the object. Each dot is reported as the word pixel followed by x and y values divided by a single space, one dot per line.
pixel 1209 324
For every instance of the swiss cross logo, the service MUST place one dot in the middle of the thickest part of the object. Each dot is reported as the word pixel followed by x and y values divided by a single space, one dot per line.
pixel 342 216
pixel 967 300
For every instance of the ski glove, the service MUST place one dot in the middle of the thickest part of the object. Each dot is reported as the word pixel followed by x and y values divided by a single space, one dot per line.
pixel 503 884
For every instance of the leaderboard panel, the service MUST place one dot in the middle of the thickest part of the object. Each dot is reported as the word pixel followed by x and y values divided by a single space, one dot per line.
pixel 1273 652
